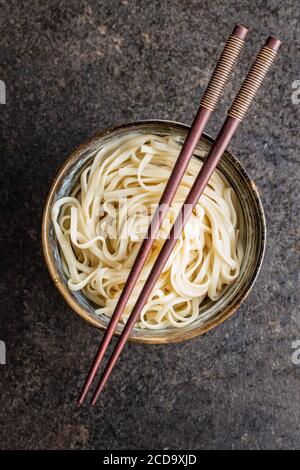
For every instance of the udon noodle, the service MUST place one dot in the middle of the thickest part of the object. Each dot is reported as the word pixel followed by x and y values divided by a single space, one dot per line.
pixel 100 227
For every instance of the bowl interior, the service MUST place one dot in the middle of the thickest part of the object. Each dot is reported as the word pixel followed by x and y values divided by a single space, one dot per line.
pixel 211 313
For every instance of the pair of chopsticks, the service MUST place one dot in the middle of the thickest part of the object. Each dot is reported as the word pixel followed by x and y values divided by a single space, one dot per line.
pixel 208 104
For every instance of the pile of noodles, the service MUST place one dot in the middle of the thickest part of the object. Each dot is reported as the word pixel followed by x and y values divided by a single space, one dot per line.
pixel 101 225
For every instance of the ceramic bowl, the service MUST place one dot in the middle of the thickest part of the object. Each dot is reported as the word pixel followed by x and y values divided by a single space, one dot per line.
pixel 212 313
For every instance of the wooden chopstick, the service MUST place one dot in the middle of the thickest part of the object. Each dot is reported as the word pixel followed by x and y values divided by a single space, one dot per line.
pixel 208 104
pixel 236 114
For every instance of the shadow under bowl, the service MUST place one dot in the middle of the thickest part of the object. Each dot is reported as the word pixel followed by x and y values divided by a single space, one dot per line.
pixel 211 313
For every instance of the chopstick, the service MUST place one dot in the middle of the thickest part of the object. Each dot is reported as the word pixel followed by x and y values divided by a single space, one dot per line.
pixel 208 104
pixel 235 115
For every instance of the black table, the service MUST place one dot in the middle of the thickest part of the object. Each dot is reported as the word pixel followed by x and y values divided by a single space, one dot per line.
pixel 72 68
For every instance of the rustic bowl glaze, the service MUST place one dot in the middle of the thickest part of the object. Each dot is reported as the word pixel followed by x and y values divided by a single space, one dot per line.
pixel 212 313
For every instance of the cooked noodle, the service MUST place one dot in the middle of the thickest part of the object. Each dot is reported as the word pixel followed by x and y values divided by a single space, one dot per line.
pixel 100 227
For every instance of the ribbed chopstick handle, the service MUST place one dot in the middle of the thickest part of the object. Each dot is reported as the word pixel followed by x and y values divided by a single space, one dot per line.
pixel 254 79
pixel 226 63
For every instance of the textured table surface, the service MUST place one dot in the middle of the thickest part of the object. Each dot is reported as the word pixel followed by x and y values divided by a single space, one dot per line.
pixel 72 68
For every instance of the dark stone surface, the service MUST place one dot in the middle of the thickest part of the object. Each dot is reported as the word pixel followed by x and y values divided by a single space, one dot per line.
pixel 71 69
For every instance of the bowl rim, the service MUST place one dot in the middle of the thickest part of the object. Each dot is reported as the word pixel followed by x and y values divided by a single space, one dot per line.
pixel 180 335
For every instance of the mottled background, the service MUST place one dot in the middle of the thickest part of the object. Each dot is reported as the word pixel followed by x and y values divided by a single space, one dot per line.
pixel 72 68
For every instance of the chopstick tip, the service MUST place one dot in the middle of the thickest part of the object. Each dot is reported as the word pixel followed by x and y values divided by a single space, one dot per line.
pixel 97 392
pixel 81 399
pixel 93 401
pixel 273 43
pixel 240 31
